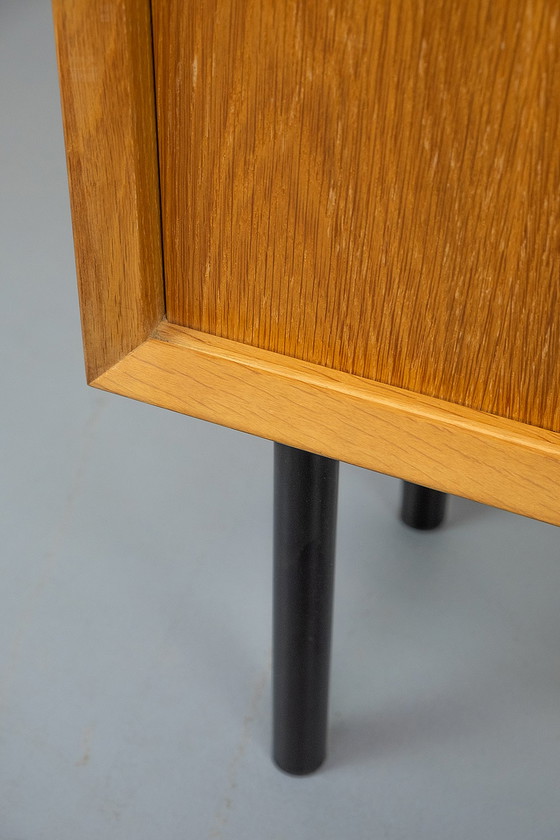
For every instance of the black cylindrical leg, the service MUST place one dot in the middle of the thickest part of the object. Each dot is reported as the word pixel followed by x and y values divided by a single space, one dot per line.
pixel 422 508
pixel 305 500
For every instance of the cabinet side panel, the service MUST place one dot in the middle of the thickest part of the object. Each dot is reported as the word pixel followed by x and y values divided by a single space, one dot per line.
pixel 106 77
pixel 373 186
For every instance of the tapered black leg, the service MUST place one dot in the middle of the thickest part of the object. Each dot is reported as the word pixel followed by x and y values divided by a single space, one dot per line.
pixel 305 501
pixel 422 508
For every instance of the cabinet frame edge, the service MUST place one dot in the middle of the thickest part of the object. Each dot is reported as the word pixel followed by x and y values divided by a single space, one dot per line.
pixel 105 62
pixel 490 459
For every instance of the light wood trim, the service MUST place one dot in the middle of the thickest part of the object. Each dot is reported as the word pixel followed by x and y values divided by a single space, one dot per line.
pixel 499 462
pixel 106 77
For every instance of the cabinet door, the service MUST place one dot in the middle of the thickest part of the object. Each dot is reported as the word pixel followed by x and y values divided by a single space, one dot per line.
pixel 370 185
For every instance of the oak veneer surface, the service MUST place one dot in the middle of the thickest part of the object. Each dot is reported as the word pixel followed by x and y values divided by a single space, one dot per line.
pixel 106 81
pixel 419 438
pixel 373 186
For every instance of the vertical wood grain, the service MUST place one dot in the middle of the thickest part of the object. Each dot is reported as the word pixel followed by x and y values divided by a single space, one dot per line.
pixel 372 185
pixel 106 78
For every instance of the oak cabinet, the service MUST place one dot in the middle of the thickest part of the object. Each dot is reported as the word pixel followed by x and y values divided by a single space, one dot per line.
pixel 356 209
pixel 334 224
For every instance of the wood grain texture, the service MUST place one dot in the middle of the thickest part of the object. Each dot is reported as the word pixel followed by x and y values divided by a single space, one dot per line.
pixel 372 185
pixel 106 79
pixel 496 461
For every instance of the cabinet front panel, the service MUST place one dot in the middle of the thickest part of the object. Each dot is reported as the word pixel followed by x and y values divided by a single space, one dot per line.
pixel 373 186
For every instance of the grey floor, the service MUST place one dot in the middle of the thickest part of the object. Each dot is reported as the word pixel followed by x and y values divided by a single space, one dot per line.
pixel 135 599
